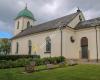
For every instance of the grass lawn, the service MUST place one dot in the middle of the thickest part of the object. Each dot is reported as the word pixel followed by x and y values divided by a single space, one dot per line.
pixel 79 72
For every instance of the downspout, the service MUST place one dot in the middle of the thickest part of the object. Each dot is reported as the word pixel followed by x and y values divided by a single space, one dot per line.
pixel 96 42
pixel 61 42
pixel 61 36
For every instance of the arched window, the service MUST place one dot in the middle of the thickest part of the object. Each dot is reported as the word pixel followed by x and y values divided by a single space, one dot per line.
pixel 80 17
pixel 18 25
pixel 28 24
pixel 17 48
pixel 29 47
pixel 48 44
pixel 84 47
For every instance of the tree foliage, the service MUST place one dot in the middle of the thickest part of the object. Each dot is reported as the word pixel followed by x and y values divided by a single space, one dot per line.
pixel 4 47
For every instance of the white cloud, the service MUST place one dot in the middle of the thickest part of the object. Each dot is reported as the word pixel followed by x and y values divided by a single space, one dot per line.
pixel 2 23
pixel 72 10
pixel 6 27
pixel 21 3
pixel 89 14
pixel 51 8
pixel 45 10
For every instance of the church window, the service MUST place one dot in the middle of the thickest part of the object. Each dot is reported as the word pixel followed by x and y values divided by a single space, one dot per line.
pixel 18 25
pixel 80 18
pixel 48 44
pixel 28 24
pixel 17 47
pixel 29 47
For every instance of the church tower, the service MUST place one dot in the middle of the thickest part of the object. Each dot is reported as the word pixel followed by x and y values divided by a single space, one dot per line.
pixel 24 20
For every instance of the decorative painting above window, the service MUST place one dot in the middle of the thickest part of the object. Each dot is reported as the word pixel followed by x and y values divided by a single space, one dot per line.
pixel 72 39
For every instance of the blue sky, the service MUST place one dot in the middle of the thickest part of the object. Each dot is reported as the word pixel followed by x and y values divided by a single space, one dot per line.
pixel 6 35
pixel 43 10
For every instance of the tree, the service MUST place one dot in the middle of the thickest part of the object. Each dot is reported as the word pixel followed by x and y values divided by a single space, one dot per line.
pixel 5 46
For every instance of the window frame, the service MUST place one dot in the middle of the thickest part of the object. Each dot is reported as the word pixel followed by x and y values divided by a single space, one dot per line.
pixel 29 47
pixel 28 24
pixel 18 23
pixel 48 45
pixel 17 48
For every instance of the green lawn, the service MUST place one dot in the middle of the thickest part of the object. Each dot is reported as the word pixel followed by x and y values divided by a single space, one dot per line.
pixel 79 72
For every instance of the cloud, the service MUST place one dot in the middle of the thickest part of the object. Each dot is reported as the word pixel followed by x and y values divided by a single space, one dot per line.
pixel 45 10
pixel 21 3
pixel 51 7
pixel 5 27
pixel 89 14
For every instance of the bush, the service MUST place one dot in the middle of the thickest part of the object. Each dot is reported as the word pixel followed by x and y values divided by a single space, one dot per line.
pixel 60 59
pixel 16 57
pixel 38 62
pixel 6 64
pixel 13 64
pixel 22 62
pixel 53 60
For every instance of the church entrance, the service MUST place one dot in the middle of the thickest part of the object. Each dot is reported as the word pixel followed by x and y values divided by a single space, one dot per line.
pixel 84 48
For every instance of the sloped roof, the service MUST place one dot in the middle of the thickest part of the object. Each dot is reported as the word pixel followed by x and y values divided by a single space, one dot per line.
pixel 54 24
pixel 88 23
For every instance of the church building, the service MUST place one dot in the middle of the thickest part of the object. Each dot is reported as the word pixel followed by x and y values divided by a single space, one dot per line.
pixel 70 36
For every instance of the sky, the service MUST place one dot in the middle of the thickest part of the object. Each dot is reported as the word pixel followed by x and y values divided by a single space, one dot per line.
pixel 43 10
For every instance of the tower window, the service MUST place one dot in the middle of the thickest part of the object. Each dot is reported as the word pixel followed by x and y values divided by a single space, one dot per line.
pixel 18 25
pixel 28 24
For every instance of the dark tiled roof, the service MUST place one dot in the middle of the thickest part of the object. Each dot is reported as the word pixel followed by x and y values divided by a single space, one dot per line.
pixel 88 23
pixel 54 24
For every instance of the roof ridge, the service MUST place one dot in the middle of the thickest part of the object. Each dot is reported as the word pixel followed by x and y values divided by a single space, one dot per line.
pixel 52 24
pixel 55 19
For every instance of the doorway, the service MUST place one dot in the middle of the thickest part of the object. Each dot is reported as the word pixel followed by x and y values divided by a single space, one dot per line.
pixel 84 48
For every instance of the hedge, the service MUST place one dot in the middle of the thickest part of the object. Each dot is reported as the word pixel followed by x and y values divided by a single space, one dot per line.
pixel 15 57
pixel 22 62
pixel 51 60
pixel 13 64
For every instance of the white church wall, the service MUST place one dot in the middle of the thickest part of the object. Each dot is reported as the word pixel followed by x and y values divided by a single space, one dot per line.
pixel 98 41
pixel 91 35
pixel 38 40
pixel 69 50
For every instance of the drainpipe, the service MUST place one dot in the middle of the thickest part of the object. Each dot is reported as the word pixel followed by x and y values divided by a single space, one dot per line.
pixel 61 42
pixel 61 34
pixel 96 42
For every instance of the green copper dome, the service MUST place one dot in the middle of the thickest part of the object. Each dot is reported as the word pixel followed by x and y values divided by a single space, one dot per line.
pixel 25 13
